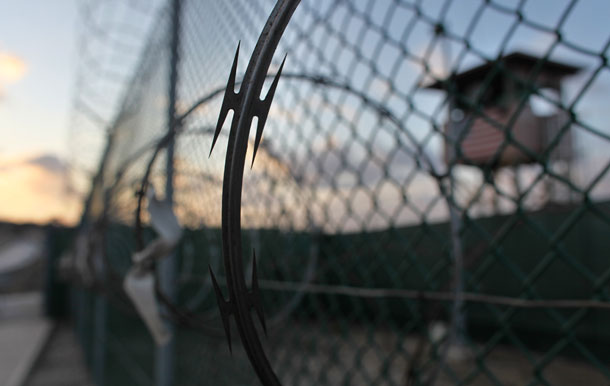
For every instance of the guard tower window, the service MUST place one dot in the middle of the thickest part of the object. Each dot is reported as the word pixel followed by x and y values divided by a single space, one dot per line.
pixel 494 94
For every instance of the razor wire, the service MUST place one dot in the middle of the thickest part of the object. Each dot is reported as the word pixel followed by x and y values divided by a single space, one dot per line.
pixel 386 251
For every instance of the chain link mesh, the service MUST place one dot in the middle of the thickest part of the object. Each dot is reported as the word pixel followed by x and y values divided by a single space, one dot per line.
pixel 429 204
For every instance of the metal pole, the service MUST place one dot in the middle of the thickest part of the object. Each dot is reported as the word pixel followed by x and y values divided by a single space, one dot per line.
pixel 165 355
pixel 458 322
pixel 99 343
pixel 459 317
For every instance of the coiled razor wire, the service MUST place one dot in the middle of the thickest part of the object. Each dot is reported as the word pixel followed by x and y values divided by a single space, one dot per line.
pixel 382 256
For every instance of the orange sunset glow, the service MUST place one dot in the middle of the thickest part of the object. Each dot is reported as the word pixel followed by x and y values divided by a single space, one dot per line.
pixel 36 190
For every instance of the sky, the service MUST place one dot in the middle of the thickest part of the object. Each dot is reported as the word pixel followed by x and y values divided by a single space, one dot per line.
pixel 37 52
pixel 584 34
pixel 40 53
pixel 47 52
pixel 37 67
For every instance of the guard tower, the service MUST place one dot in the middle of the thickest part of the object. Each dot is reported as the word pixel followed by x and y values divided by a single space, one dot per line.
pixel 484 112
pixel 492 126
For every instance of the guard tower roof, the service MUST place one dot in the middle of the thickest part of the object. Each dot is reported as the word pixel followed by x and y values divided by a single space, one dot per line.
pixel 514 60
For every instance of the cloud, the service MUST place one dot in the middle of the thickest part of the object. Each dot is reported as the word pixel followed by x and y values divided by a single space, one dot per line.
pixel 12 68
pixel 37 190
pixel 49 162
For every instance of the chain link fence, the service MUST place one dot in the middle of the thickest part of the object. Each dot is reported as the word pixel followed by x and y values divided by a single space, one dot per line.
pixel 428 204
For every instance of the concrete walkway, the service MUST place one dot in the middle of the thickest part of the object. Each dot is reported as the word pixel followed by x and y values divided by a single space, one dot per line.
pixel 35 351
pixel 23 334
pixel 61 362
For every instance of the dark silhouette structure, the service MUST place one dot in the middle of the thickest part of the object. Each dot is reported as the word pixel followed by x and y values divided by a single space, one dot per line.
pixel 492 121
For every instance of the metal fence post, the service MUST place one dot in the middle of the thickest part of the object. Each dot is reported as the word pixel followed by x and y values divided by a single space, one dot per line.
pixel 99 331
pixel 165 355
